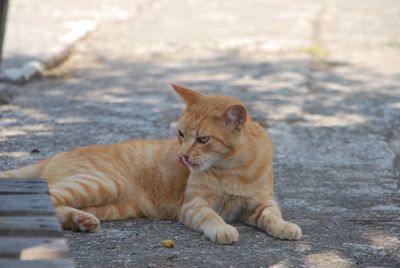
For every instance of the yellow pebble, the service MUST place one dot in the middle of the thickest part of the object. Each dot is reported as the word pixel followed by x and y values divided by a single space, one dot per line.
pixel 167 243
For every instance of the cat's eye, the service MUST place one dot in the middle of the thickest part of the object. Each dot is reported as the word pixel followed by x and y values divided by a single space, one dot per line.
pixel 180 134
pixel 203 139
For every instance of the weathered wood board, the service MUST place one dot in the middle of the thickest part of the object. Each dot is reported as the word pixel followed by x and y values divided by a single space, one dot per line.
pixel 33 226
pixel 32 248
pixel 23 186
pixel 58 263
pixel 30 234
pixel 25 204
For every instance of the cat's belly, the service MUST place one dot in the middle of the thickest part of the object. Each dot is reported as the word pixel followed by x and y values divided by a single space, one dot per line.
pixel 156 206
pixel 165 211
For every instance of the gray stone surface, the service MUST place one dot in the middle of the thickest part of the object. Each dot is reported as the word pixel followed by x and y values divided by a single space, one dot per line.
pixel 41 35
pixel 322 77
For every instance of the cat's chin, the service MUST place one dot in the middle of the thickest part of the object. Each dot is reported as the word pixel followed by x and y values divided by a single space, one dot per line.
pixel 196 168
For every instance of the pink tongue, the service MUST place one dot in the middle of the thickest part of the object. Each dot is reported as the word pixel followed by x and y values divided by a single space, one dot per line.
pixel 180 160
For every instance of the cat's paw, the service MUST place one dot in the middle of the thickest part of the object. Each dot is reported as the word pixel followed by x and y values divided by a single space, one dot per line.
pixel 285 230
pixel 222 234
pixel 85 222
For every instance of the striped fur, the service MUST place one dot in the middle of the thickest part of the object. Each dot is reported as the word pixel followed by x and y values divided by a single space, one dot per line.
pixel 217 170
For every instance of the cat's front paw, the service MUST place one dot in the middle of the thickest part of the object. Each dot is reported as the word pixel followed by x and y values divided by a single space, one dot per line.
pixel 222 234
pixel 285 230
pixel 85 222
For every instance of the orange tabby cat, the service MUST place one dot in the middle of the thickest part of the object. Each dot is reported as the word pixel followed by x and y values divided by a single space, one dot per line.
pixel 217 170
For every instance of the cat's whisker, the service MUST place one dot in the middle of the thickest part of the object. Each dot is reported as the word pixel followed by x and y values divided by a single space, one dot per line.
pixel 206 170
pixel 213 171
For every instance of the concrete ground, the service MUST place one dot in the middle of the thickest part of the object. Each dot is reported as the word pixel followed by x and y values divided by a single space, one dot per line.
pixel 59 25
pixel 323 77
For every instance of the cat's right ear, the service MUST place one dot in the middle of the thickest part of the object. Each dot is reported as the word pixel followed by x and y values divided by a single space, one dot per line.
pixel 235 116
pixel 188 96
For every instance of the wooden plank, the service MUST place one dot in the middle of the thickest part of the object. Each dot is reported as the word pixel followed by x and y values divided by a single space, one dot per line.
pixel 27 204
pixel 35 226
pixel 30 248
pixel 23 186
pixel 59 263
pixel 30 234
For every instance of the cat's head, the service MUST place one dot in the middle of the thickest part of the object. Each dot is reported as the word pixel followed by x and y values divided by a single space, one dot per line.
pixel 209 130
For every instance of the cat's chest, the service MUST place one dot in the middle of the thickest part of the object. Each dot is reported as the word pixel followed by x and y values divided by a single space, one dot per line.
pixel 229 207
pixel 237 186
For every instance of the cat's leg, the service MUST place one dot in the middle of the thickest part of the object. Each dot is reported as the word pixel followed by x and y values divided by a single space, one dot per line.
pixel 76 220
pixel 119 211
pixel 267 217
pixel 84 190
pixel 198 215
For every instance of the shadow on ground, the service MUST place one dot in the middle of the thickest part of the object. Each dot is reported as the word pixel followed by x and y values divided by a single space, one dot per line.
pixel 334 162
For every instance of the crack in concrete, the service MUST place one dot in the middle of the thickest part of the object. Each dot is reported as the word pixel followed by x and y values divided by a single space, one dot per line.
pixel 317 51
pixel 318 54
pixel 393 143
pixel 58 55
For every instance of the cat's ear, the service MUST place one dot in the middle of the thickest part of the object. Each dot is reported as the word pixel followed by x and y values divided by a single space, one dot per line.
pixel 188 96
pixel 235 116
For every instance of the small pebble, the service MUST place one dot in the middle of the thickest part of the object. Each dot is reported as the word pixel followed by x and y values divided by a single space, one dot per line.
pixel 35 151
pixel 167 243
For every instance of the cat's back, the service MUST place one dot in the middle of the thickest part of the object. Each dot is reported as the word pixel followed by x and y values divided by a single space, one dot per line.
pixel 112 159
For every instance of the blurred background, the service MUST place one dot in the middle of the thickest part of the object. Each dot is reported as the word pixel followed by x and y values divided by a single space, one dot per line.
pixel 322 76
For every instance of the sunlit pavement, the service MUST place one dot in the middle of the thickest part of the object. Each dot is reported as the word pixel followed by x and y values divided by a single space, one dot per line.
pixel 321 76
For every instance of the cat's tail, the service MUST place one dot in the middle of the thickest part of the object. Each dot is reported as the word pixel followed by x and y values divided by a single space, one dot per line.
pixel 31 171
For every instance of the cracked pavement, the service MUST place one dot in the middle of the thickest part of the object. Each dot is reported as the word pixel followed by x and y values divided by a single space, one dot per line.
pixel 321 76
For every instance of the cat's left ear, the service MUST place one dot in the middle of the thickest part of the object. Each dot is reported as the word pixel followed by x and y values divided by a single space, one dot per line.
pixel 189 96
pixel 235 116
